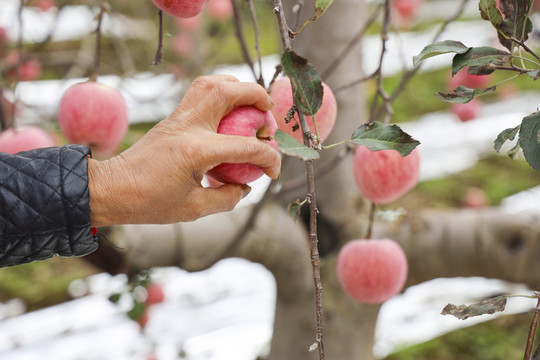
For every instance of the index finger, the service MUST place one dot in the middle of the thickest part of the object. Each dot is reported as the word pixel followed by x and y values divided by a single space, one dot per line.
pixel 224 96
pixel 243 149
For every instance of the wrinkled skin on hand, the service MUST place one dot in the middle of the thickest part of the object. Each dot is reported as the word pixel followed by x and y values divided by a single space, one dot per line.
pixel 158 179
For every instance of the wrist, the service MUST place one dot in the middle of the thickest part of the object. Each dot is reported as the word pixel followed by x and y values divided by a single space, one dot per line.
pixel 107 204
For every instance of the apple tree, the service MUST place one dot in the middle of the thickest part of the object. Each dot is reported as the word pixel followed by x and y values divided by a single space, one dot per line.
pixel 321 55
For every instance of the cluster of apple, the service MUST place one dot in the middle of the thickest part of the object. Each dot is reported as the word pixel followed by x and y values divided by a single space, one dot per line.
pixel 369 271
pixel 374 270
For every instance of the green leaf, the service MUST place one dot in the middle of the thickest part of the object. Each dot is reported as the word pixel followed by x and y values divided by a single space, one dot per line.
pixel 488 306
pixel 438 48
pixel 480 56
pixel 305 82
pixel 379 136
pixel 505 135
pixel 463 94
pixel 290 146
pixel 321 6
pixel 490 12
pixel 528 139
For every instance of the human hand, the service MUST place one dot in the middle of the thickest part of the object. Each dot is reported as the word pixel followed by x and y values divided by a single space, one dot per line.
pixel 158 179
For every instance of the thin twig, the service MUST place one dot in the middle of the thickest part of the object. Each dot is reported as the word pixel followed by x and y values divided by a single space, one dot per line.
pixel 355 82
pixel 260 79
pixel 97 59
pixel 159 51
pixel 380 89
pixel 372 209
pixel 351 44
pixel 524 46
pixel 313 211
pixel 239 31
pixel 408 75
pixel 532 331
pixel 322 170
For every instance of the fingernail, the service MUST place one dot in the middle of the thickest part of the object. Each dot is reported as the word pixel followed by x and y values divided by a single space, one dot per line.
pixel 246 189
pixel 271 101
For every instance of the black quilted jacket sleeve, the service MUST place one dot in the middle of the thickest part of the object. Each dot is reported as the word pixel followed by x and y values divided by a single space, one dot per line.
pixel 44 204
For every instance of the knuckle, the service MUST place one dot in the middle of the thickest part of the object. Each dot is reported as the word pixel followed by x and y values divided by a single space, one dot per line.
pixel 202 82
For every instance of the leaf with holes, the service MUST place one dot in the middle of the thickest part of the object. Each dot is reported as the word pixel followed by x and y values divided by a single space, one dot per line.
pixel 377 136
pixel 305 82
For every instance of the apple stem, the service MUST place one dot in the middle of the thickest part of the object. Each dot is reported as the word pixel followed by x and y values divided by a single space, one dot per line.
pixel 159 50
pixel 372 209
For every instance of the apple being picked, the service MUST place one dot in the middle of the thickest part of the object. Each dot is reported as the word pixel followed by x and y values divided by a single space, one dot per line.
pixel 244 121
pixel 372 271
pixel 25 138
pixel 93 114
pixel 180 8
pixel 281 94
pixel 384 176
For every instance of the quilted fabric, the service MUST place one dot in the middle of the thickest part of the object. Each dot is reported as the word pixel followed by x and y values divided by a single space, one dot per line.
pixel 44 204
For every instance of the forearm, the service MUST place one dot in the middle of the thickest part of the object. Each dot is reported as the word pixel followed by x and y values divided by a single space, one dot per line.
pixel 44 205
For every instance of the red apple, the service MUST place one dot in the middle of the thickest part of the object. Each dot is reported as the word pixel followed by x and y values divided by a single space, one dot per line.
pixel 372 271
pixel 29 69
pixel 463 78
pixel 407 9
pixel 93 114
pixel 244 121
pixel 467 111
pixel 155 294
pixel 384 176
pixel 220 10
pixel 180 8
pixel 281 94
pixel 25 138
pixel 475 198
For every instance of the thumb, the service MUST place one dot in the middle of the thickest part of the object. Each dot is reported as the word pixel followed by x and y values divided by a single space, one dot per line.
pixel 223 198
